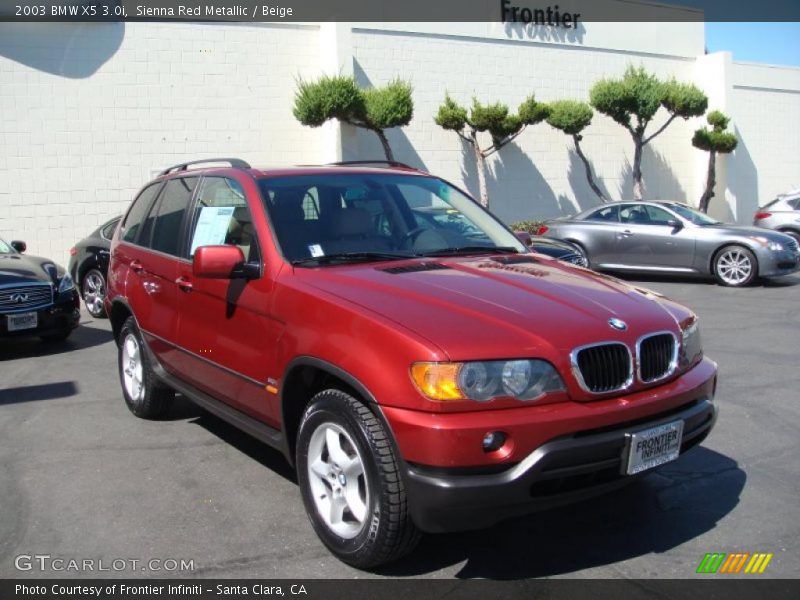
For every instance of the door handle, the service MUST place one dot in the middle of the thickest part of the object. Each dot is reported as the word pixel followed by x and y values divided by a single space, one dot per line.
pixel 184 284
pixel 137 266
pixel 626 233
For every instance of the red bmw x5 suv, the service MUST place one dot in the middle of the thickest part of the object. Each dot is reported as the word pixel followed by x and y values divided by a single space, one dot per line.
pixel 421 376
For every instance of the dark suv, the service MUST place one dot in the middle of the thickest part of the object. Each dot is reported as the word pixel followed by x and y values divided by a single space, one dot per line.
pixel 420 378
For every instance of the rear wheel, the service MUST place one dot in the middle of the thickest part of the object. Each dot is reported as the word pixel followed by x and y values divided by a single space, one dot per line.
pixel 93 289
pixel 350 482
pixel 735 266
pixel 144 394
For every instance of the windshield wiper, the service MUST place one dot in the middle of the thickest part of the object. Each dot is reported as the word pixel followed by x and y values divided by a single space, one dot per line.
pixel 471 250
pixel 345 257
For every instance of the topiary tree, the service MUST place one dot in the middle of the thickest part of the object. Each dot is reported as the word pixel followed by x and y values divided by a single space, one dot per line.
pixel 635 99
pixel 495 119
pixel 714 141
pixel 572 117
pixel 339 97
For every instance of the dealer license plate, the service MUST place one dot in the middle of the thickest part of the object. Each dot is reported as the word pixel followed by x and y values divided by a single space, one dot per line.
pixel 653 447
pixel 22 321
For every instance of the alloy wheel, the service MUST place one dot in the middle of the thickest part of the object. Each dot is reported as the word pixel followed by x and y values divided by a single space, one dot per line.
pixel 338 481
pixel 132 368
pixel 734 266
pixel 94 292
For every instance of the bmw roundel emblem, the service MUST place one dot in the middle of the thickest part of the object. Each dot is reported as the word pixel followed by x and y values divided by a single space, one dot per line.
pixel 617 324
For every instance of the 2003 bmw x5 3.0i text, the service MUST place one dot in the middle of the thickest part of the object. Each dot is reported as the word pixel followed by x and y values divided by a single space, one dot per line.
pixel 419 378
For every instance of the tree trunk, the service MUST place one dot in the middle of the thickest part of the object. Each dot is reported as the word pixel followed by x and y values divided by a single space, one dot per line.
pixel 387 149
pixel 711 181
pixel 638 187
pixel 480 163
pixel 589 175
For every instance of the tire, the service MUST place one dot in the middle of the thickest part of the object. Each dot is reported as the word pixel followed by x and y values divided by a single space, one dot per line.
pixel 793 233
pixel 371 525
pixel 93 290
pixel 582 249
pixel 735 266
pixel 59 336
pixel 145 395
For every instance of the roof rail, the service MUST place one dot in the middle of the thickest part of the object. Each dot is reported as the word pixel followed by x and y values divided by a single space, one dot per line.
pixel 236 163
pixel 387 163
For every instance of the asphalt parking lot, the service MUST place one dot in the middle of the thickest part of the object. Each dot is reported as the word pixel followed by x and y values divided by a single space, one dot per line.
pixel 81 478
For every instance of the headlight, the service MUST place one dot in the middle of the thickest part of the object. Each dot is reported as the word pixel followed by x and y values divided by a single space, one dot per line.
pixel 775 246
pixel 768 243
pixel 66 284
pixel 485 380
pixel 691 345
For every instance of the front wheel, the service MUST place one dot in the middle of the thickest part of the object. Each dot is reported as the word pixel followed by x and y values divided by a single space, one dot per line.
pixel 735 266
pixel 350 482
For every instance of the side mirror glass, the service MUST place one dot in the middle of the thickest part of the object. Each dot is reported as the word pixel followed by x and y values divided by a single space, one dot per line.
pixel 19 245
pixel 524 237
pixel 217 262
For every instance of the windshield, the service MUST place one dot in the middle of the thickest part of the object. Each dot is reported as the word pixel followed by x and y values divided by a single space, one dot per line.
pixel 6 248
pixel 690 214
pixel 378 217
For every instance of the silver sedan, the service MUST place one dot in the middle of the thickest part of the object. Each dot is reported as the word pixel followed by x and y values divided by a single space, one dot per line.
pixel 670 237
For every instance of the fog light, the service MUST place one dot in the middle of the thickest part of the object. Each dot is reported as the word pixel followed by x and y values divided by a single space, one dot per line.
pixel 493 440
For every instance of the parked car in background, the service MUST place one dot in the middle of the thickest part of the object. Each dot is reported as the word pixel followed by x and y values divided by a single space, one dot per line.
pixel 37 297
pixel 554 248
pixel 418 378
pixel 88 266
pixel 670 237
pixel 782 214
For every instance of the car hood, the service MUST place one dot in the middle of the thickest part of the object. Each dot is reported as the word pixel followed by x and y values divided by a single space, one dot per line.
pixel 503 306
pixel 22 269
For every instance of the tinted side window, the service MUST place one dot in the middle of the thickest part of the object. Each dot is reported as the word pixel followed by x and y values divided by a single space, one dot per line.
pixel 169 216
pixel 222 217
pixel 137 212
pixel 658 216
pixel 607 213
pixel 795 204
pixel 108 230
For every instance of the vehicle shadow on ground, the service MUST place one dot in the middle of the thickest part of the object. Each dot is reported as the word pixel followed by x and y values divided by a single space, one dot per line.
pixel 244 443
pixel 83 337
pixel 666 509
pixel 34 393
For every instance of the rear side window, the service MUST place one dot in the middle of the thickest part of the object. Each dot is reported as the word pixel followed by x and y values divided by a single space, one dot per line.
pixel 108 230
pixel 607 213
pixel 136 214
pixel 169 216
pixel 795 204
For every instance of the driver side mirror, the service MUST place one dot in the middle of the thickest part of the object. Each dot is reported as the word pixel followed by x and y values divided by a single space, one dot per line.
pixel 217 262
pixel 19 246
pixel 675 224
pixel 524 237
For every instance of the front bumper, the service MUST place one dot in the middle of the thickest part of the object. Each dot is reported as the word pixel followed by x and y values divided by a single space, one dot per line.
pixel 776 264
pixel 61 316
pixel 564 470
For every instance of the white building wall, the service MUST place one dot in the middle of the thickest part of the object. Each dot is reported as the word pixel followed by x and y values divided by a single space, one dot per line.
pixel 90 112
pixel 538 176
pixel 765 105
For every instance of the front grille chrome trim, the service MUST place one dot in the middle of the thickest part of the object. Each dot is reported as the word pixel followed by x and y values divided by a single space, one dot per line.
pixel 576 370
pixel 673 363
pixel 38 295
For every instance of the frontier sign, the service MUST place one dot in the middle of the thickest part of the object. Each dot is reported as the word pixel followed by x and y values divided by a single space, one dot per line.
pixel 550 16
